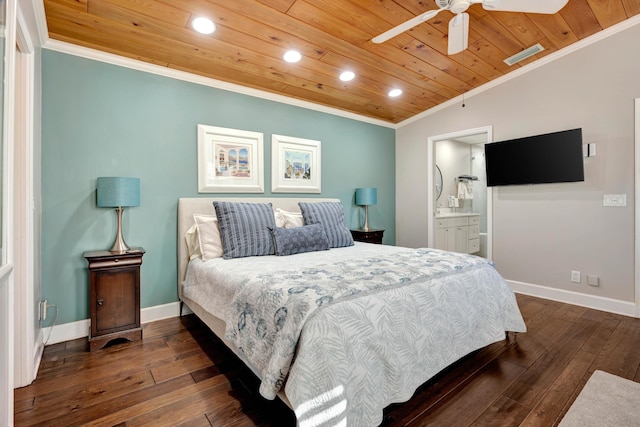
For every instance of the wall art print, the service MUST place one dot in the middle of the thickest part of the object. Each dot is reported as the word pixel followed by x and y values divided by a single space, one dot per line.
pixel 230 160
pixel 295 165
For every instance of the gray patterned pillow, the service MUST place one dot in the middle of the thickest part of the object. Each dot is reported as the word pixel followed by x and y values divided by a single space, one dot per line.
pixel 308 238
pixel 244 228
pixel 331 216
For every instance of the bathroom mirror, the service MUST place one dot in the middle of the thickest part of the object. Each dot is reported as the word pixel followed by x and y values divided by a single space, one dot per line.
pixel 438 188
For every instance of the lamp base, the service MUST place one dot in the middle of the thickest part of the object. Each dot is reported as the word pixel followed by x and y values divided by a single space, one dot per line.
pixel 365 227
pixel 119 245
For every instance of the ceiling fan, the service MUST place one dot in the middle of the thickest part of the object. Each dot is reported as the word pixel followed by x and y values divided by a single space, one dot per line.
pixel 459 24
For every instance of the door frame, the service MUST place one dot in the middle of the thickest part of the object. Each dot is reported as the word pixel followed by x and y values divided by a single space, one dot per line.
pixel 431 205
pixel 27 292
pixel 636 214
pixel 7 333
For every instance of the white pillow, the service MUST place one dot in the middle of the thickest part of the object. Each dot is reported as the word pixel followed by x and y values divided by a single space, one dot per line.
pixel 208 236
pixel 289 219
pixel 279 218
pixel 193 245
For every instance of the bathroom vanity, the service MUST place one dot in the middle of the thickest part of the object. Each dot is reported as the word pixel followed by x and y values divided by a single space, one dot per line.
pixel 458 232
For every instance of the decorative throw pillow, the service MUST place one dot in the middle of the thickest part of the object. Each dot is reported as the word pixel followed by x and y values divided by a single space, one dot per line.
pixel 308 238
pixel 244 228
pixel 288 219
pixel 209 241
pixel 331 216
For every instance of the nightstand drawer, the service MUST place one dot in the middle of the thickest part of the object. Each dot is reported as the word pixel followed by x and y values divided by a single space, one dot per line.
pixel 371 236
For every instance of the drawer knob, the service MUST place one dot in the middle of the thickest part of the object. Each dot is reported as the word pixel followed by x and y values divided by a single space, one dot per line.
pixel 116 260
pixel 100 301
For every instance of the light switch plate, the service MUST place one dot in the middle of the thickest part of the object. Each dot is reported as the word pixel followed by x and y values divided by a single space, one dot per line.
pixel 615 200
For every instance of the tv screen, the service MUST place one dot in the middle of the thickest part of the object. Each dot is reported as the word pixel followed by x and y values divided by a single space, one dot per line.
pixel 540 159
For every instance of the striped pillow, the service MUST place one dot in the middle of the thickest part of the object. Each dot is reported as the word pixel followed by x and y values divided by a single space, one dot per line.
pixel 244 228
pixel 331 216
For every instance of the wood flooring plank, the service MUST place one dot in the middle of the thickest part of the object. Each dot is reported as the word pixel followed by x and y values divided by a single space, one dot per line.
pixel 621 354
pixel 87 415
pixel 478 393
pixel 550 409
pixel 530 379
pixel 528 389
pixel 198 421
pixel 84 395
pixel 181 367
pixel 130 412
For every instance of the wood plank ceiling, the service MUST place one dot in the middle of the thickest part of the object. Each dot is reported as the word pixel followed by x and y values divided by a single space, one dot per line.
pixel 332 35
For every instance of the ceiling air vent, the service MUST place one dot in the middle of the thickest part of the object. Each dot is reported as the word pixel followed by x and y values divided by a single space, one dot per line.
pixel 530 51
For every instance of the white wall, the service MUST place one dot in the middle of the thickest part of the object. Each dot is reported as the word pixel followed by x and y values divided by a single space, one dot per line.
pixel 543 232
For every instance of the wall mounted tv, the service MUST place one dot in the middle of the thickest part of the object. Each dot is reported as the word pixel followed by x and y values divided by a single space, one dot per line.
pixel 540 159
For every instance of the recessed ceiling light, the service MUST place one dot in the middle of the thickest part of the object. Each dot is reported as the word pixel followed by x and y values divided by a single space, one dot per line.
pixel 347 76
pixel 395 92
pixel 292 56
pixel 203 25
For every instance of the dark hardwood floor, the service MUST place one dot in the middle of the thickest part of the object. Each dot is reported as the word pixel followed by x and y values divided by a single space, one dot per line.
pixel 181 375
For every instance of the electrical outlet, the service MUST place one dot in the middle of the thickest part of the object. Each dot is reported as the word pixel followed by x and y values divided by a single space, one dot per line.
pixel 43 309
pixel 593 280
pixel 575 276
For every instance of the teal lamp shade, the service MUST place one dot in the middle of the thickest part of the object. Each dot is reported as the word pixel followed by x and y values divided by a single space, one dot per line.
pixel 115 192
pixel 365 197
pixel 118 192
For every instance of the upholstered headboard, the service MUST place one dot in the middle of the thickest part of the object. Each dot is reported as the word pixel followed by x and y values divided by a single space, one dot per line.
pixel 204 205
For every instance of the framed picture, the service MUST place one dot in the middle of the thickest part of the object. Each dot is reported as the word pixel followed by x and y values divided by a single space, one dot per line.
pixel 229 160
pixel 295 165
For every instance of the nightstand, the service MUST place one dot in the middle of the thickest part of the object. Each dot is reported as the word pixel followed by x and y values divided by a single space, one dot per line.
pixel 115 296
pixel 371 236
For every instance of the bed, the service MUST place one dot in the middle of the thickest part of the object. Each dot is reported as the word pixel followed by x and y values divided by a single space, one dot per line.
pixel 338 330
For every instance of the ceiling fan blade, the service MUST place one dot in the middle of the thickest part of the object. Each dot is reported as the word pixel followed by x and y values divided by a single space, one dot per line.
pixel 458 33
pixel 407 25
pixel 527 6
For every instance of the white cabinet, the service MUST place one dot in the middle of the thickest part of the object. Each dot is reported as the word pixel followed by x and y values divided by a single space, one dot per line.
pixel 458 234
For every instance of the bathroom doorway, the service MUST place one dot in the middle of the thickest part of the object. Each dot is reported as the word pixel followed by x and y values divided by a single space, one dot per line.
pixel 445 180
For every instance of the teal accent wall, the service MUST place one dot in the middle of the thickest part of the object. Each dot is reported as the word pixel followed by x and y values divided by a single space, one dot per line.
pixel 104 120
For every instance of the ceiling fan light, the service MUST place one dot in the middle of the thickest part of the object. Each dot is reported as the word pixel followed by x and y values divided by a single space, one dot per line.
pixel 393 93
pixel 292 56
pixel 346 76
pixel 203 25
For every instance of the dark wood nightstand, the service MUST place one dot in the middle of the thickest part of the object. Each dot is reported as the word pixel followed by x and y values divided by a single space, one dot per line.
pixel 371 236
pixel 115 296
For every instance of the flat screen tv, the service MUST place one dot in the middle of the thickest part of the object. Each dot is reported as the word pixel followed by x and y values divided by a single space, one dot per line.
pixel 540 159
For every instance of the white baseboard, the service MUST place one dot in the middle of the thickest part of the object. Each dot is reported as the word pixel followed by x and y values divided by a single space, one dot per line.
pixel 625 308
pixel 80 329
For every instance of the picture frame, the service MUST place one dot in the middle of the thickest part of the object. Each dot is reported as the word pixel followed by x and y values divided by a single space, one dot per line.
pixel 295 165
pixel 230 160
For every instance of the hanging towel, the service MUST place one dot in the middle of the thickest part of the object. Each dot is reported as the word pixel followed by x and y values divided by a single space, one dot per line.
pixel 464 190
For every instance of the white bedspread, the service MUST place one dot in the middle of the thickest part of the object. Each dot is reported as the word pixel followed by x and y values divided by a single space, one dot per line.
pixel 361 344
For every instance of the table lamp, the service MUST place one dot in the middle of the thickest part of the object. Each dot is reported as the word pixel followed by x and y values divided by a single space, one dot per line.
pixel 118 192
pixel 365 197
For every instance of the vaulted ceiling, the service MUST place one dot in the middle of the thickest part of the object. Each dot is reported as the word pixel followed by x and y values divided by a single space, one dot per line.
pixel 332 36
